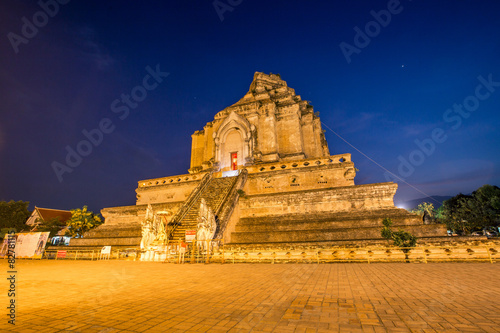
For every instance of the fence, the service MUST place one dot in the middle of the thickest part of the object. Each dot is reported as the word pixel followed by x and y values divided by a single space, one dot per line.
pixel 217 252
pixel 65 254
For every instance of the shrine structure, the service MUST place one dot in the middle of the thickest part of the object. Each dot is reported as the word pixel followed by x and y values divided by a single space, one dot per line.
pixel 261 173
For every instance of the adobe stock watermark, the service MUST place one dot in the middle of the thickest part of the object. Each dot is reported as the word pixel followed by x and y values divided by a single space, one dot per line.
pixel 222 6
pixel 372 29
pixel 29 29
pixel 453 116
pixel 121 107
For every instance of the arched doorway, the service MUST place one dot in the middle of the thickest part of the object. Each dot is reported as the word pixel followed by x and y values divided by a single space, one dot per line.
pixel 232 150
pixel 233 143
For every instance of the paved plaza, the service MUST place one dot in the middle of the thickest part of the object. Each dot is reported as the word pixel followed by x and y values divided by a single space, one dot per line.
pixel 127 296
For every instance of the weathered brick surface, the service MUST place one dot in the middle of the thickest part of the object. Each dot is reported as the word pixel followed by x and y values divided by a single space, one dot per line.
pixel 120 296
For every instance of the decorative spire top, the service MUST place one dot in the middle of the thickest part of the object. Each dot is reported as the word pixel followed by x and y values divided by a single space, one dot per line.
pixel 262 81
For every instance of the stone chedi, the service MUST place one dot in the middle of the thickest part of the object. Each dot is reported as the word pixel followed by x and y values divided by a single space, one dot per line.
pixel 262 169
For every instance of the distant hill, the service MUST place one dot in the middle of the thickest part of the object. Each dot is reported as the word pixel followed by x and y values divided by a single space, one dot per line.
pixel 412 204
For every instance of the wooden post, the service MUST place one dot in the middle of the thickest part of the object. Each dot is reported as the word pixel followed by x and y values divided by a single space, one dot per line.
pixel 489 254
pixel 195 243
pixel 207 258
pixel 223 251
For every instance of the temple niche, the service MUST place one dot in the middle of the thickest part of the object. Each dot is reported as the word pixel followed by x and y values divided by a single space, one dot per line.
pixel 261 173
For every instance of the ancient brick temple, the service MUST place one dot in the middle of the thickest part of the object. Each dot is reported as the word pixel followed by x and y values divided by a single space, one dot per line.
pixel 262 167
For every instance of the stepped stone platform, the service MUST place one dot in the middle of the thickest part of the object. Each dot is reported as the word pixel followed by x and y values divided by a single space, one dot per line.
pixel 357 226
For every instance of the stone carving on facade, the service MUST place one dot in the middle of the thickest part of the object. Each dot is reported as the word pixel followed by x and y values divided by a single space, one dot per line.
pixel 206 222
pixel 350 174
pixel 153 228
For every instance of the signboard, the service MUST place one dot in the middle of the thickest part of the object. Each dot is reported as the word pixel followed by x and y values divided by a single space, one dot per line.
pixel 42 240
pixel 61 254
pixel 190 235
pixel 106 250
pixel 5 245
pixel 31 245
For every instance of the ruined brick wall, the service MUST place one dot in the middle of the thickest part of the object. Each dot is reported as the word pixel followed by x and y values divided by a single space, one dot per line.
pixel 332 200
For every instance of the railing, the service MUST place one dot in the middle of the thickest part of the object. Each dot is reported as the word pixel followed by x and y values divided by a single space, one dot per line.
pixel 63 254
pixel 227 205
pixel 177 218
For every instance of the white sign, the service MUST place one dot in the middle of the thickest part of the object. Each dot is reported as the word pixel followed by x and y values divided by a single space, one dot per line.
pixel 190 235
pixel 31 245
pixel 106 250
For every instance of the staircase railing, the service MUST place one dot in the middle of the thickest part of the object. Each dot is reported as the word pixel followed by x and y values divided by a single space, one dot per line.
pixel 195 194
pixel 227 205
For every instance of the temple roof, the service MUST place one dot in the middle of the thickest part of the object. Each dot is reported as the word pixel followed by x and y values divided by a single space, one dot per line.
pixel 46 214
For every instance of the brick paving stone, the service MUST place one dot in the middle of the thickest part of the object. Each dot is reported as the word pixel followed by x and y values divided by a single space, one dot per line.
pixel 126 296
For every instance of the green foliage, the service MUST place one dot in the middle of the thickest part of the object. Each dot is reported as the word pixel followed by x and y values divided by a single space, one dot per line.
pixel 82 220
pixel 53 226
pixel 400 238
pixel 241 193
pixel 13 214
pixel 386 230
pixel 467 213
pixel 425 207
pixel 439 214
pixel 404 239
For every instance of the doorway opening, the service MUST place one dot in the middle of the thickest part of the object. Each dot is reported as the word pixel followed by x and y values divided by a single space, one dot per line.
pixel 234 161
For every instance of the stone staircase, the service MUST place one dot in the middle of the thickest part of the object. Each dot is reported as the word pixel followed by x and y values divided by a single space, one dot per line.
pixel 332 228
pixel 214 194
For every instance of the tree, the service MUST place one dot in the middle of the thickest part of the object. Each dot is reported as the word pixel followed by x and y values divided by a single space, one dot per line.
pixel 400 238
pixel 425 207
pixel 82 220
pixel 467 213
pixel 13 214
pixel 427 211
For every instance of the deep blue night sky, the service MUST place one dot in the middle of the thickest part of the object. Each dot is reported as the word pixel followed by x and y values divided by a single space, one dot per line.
pixel 398 88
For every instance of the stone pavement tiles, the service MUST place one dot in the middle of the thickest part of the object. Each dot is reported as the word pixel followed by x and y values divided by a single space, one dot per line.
pixel 127 296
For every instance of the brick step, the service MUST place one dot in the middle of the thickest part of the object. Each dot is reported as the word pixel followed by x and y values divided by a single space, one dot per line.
pixel 325 244
pixel 122 241
pixel 330 225
pixel 427 230
pixel 338 216
pixel 111 231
